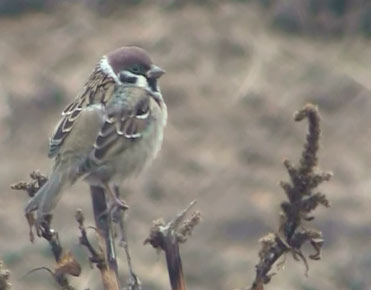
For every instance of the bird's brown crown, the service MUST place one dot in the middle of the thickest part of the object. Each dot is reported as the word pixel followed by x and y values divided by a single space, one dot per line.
pixel 128 56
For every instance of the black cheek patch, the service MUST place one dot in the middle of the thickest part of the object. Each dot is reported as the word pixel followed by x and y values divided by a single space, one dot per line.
pixel 128 79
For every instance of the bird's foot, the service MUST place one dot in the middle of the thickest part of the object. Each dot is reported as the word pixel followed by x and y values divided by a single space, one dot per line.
pixel 116 206
pixel 119 204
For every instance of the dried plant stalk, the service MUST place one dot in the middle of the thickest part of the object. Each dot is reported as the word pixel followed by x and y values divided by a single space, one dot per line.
pixel 302 200
pixel 108 269
pixel 167 238
pixel 174 263
pixel 66 264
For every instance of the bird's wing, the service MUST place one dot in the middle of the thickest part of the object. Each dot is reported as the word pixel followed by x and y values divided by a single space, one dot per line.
pixel 125 124
pixel 98 89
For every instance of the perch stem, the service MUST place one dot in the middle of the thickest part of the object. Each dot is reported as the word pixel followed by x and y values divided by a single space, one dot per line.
pixel 104 226
pixel 174 263
pixel 167 238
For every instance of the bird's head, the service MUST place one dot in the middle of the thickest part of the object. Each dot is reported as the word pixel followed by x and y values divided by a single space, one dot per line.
pixel 133 66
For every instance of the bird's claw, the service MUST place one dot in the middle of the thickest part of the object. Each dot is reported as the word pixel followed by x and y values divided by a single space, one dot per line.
pixel 114 209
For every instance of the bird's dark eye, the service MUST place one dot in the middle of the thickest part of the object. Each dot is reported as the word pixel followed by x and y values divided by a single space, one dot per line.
pixel 135 69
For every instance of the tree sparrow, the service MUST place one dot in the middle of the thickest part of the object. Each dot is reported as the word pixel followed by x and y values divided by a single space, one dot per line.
pixel 110 131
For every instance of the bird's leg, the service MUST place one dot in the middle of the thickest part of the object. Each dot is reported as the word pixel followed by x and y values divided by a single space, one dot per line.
pixel 119 218
pixel 115 202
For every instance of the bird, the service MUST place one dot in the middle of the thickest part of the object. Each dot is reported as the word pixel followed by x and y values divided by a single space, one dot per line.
pixel 110 132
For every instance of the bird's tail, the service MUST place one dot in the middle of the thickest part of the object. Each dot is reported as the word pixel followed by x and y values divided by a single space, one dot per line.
pixel 49 194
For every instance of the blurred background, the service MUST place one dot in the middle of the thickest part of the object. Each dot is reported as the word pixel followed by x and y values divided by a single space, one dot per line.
pixel 236 73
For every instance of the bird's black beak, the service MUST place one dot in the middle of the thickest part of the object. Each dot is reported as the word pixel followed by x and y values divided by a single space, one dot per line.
pixel 154 72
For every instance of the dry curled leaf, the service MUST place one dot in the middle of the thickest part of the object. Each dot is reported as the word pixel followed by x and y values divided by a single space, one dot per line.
pixel 317 245
pixel 68 265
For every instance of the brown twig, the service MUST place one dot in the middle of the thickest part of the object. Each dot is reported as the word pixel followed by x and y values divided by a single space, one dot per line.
pixel 66 264
pixel 96 257
pixel 65 261
pixel 302 200
pixel 31 187
pixel 103 223
pixel 119 218
pixel 167 237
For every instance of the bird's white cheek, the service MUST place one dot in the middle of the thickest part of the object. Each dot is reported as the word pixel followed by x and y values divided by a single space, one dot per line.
pixel 142 82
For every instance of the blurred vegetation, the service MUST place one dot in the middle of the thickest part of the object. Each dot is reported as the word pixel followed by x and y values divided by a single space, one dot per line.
pixel 327 17
pixel 232 83
pixel 13 7
pixel 313 17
